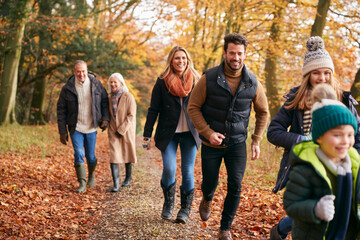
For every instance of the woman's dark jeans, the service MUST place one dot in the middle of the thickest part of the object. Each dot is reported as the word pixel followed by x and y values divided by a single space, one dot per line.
pixel 235 162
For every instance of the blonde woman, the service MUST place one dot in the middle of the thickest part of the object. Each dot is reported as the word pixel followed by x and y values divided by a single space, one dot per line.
pixel 121 130
pixel 292 124
pixel 169 102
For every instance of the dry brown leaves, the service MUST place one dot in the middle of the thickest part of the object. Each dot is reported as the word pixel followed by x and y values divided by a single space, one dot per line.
pixel 37 198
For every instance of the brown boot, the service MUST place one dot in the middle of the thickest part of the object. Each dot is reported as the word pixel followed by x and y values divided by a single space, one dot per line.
pixel 224 235
pixel 205 209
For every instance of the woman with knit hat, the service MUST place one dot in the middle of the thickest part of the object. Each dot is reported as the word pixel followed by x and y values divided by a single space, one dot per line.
pixel 322 193
pixel 169 101
pixel 292 124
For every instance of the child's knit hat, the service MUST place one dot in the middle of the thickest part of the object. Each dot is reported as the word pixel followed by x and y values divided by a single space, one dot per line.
pixel 316 56
pixel 328 114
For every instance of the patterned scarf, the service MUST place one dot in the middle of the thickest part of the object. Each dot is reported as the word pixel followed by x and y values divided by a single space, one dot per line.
pixel 307 121
pixel 179 87
pixel 115 98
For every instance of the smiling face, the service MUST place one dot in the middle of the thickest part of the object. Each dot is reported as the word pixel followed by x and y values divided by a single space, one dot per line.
pixel 235 56
pixel 179 62
pixel 336 142
pixel 320 75
pixel 115 84
pixel 80 71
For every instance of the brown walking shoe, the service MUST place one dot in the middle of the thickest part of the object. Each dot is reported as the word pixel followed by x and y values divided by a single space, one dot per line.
pixel 225 235
pixel 205 209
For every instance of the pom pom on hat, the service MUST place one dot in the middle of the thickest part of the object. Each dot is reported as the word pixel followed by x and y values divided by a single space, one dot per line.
pixel 316 56
pixel 328 114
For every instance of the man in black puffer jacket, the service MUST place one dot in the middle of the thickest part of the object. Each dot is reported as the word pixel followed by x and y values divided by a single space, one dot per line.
pixel 83 105
pixel 220 107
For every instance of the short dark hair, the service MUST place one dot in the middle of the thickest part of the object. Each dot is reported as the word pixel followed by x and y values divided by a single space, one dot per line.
pixel 235 38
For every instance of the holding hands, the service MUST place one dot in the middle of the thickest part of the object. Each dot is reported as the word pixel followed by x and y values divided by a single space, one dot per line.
pixel 104 125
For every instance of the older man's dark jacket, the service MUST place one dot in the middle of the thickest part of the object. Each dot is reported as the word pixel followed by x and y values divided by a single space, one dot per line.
pixel 67 105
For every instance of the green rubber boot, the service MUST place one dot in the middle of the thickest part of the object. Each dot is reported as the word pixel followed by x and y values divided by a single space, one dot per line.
pixel 81 176
pixel 91 177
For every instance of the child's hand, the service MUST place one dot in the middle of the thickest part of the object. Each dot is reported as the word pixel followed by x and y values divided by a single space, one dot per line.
pixel 325 208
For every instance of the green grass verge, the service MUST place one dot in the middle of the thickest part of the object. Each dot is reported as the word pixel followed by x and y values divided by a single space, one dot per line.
pixel 21 139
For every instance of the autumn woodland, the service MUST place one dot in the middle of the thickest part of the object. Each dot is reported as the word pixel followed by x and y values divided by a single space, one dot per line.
pixel 41 39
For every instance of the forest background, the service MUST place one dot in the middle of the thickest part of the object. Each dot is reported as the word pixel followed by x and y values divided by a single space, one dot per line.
pixel 41 39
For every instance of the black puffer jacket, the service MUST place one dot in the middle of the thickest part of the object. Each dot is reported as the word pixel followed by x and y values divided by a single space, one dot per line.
pixel 308 183
pixel 67 105
pixel 225 113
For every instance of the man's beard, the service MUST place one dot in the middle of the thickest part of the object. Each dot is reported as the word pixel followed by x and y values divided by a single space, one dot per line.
pixel 240 66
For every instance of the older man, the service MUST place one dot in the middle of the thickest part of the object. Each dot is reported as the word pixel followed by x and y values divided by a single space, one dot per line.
pixel 83 105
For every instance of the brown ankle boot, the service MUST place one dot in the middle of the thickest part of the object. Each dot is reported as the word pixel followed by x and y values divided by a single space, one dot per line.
pixel 224 235
pixel 205 209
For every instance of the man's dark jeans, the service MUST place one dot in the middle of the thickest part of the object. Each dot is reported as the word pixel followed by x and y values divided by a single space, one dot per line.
pixel 235 162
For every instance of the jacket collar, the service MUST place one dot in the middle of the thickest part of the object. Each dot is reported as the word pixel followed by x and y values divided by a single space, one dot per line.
pixel 305 152
pixel 245 78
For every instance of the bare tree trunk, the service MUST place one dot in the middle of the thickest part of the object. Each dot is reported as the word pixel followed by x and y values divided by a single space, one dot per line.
pixel 99 16
pixel 37 102
pixel 271 64
pixel 12 55
pixel 320 19
pixel 355 90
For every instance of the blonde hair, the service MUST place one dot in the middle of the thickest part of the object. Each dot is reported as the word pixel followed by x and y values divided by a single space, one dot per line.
pixel 189 66
pixel 301 100
pixel 322 91
pixel 119 77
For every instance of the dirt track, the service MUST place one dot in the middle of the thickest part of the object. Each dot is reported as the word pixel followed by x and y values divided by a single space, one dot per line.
pixel 134 212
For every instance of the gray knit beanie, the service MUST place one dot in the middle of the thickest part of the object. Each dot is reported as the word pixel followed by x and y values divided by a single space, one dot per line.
pixel 316 56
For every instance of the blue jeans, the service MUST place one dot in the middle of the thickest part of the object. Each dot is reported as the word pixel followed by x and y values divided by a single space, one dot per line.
pixel 188 153
pixel 235 163
pixel 81 141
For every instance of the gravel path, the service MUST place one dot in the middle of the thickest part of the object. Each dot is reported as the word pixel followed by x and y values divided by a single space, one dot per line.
pixel 134 212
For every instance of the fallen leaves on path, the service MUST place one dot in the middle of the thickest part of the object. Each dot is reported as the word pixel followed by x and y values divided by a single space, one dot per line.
pixel 37 198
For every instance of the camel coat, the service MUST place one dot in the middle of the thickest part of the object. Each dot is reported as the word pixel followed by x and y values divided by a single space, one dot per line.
pixel 122 145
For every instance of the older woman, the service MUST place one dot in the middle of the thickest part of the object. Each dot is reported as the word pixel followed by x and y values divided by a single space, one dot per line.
pixel 122 129
pixel 169 101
